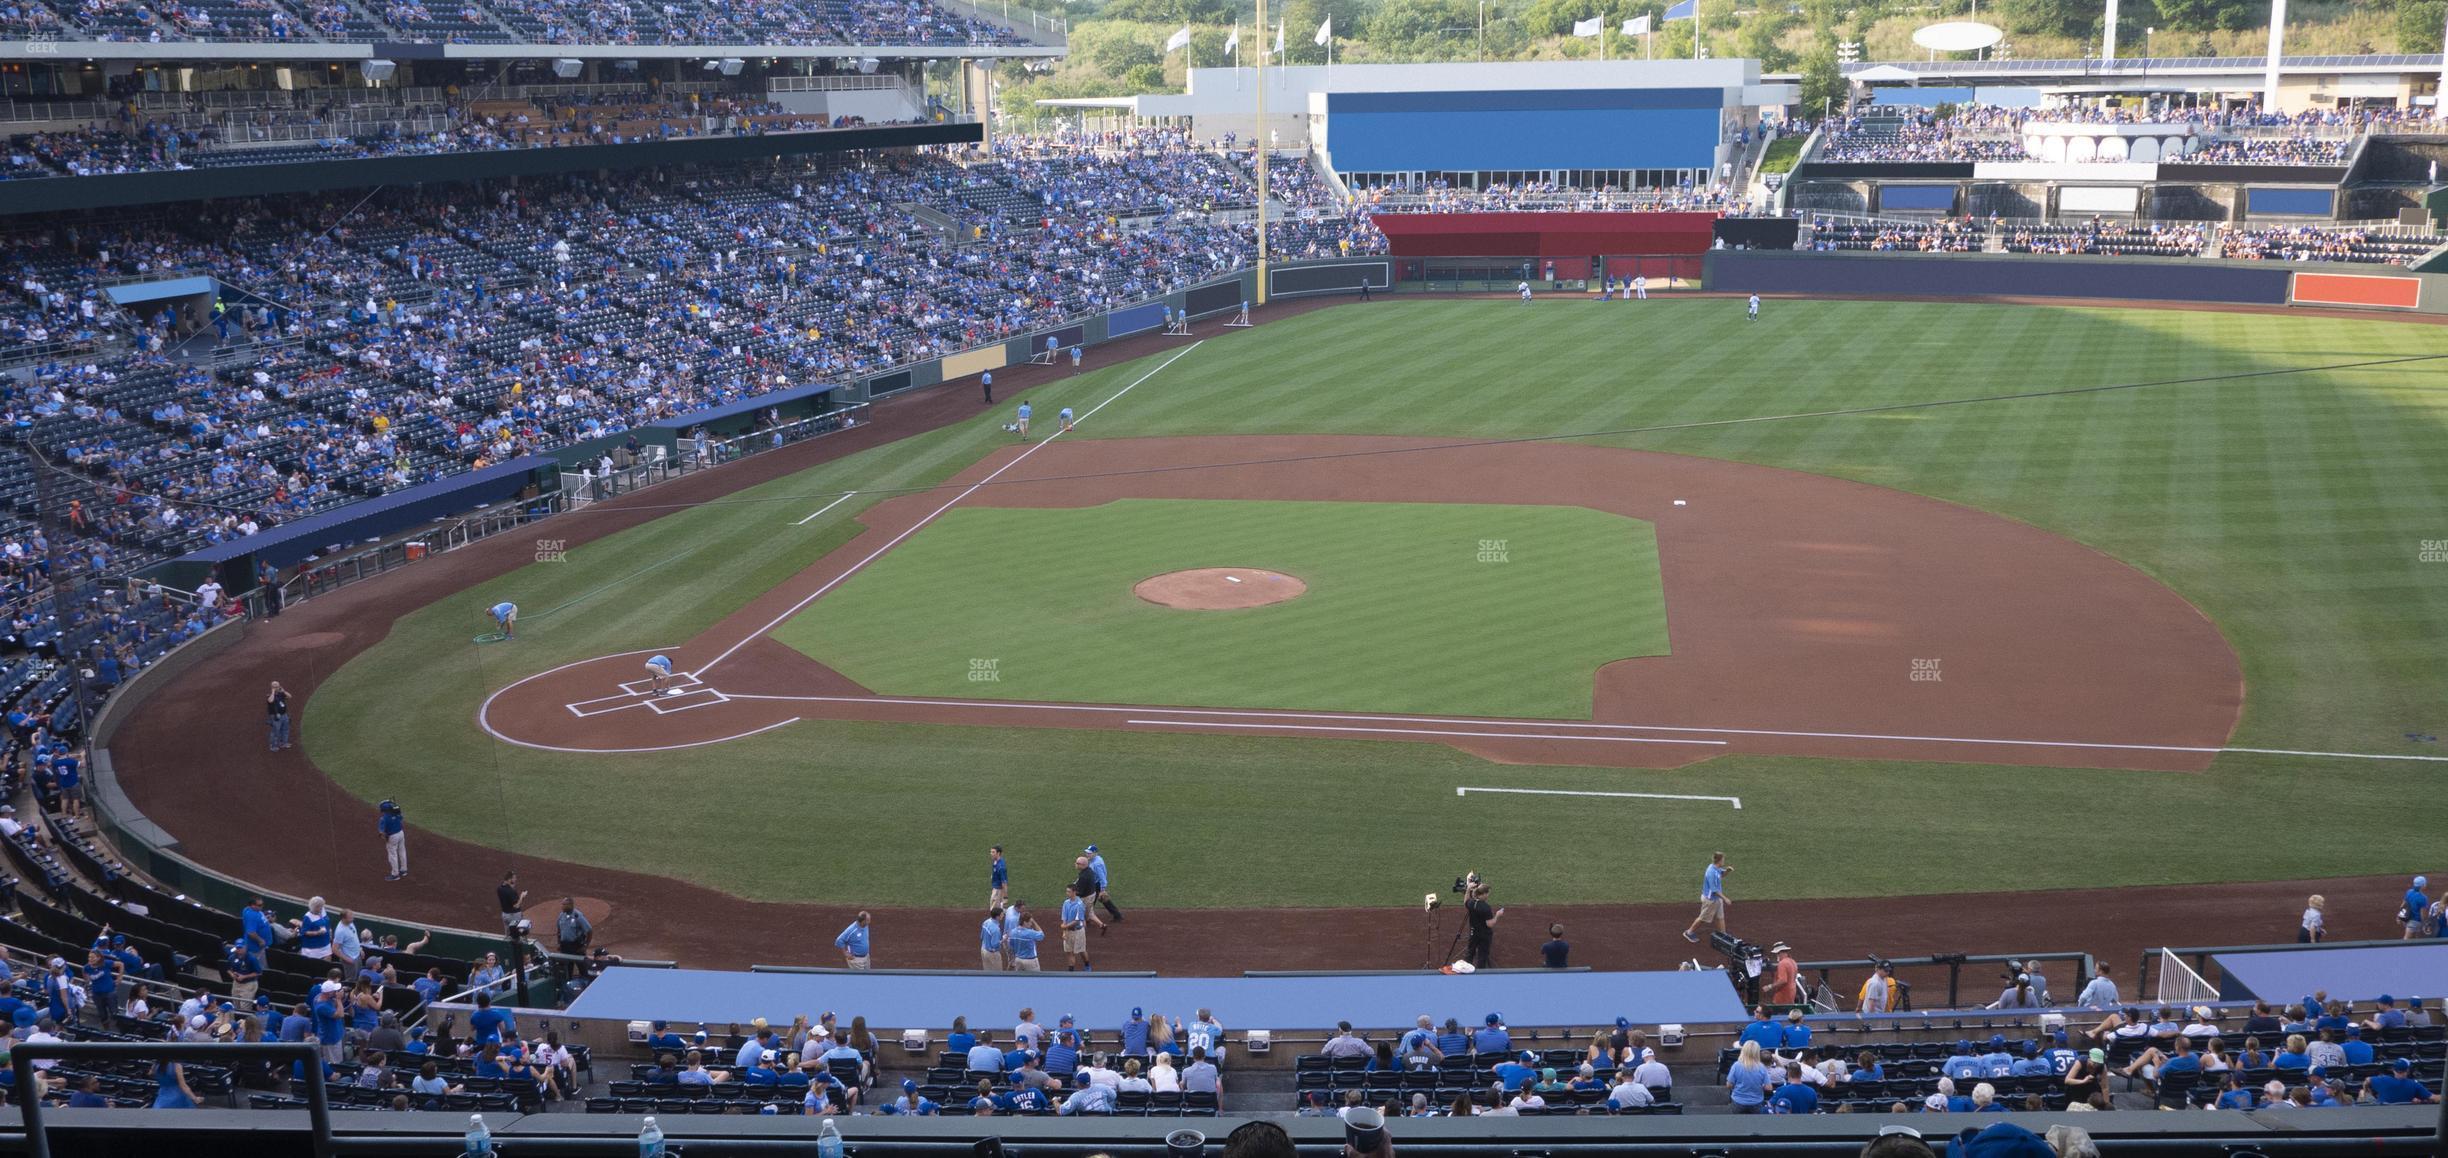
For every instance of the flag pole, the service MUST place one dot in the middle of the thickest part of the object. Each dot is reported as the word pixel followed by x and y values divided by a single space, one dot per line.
pixel 1258 140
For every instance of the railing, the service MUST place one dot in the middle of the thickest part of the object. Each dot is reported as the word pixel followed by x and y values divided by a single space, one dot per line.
pixel 332 574
pixel 837 83
pixel 2084 967
pixel 308 1060
pixel 20 112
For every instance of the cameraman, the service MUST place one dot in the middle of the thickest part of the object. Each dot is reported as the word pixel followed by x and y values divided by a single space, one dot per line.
pixel 1482 920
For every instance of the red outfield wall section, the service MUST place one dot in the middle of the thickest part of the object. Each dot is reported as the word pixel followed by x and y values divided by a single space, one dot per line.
pixel 1544 234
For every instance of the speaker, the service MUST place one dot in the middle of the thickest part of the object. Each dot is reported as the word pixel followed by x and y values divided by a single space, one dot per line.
pixel 731 65
pixel 377 71
pixel 568 67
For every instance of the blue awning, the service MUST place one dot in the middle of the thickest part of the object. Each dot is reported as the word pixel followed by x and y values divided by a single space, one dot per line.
pixel 139 292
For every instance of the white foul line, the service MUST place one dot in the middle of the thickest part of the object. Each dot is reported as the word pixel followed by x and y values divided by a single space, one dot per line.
pixel 1014 705
pixel 878 553
pixel 828 506
pixel 1421 732
pixel 1736 801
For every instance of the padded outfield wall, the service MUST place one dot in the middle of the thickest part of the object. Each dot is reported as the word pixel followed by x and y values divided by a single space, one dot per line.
pixel 2379 288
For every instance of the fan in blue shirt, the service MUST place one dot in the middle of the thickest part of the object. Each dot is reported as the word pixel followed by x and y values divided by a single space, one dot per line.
pixel 1517 1072
pixel 1794 1097
pixel 1492 1037
pixel 1761 1030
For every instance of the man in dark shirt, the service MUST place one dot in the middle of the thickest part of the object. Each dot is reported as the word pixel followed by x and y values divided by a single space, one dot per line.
pixel 1557 949
pixel 1482 920
pixel 88 1095
pixel 511 898
pixel 1086 886
pixel 2262 1023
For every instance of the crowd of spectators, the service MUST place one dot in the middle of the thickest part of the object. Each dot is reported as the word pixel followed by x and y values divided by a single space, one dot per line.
pixel 2154 239
pixel 2314 243
pixel 795 22
pixel 415 334
pixel 1973 133
pixel 134 141
pixel 1941 235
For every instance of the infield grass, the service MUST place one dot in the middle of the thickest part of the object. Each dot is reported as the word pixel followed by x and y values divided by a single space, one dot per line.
pixel 1405 611
pixel 2293 508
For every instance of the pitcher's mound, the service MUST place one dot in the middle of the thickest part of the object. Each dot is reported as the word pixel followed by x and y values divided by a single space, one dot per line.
pixel 1219 588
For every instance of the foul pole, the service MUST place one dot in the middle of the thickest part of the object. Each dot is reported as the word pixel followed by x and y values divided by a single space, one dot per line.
pixel 1258 140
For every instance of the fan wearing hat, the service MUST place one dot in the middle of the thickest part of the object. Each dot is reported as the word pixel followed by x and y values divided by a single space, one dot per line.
pixel 2411 912
pixel 1492 1038
pixel 1785 987
pixel 2397 1087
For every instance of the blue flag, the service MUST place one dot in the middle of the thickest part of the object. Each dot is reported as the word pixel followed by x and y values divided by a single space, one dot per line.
pixel 1683 11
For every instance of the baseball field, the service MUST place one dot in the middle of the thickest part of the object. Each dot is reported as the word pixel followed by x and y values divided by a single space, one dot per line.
pixel 1997 580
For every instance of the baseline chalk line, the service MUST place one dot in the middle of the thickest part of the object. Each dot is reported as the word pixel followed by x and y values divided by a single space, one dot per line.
pixel 1426 732
pixel 913 529
pixel 1736 801
pixel 828 506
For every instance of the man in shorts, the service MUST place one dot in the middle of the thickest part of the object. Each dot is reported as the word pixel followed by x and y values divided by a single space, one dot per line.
pixel 1712 898
pixel 1024 421
pixel 1066 419
pixel 505 617
pixel 661 668
pixel 1075 930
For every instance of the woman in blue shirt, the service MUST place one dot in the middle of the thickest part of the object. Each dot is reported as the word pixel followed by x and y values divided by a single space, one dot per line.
pixel 170 1090
pixel 2294 1057
pixel 1747 1080
pixel 960 1040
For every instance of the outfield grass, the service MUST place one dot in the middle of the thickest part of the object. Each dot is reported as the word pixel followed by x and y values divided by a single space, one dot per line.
pixel 2292 509
pixel 1402 611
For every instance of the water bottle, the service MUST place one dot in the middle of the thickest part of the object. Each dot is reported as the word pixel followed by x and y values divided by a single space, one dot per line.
pixel 828 1141
pixel 479 1138
pixel 650 1139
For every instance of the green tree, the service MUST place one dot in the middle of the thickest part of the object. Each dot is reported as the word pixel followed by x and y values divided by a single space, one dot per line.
pixel 1822 82
pixel 2419 24
pixel 1111 48
pixel 1760 36
pixel 1143 78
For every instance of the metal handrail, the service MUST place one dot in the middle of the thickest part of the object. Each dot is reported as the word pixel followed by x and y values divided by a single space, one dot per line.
pixel 318 1101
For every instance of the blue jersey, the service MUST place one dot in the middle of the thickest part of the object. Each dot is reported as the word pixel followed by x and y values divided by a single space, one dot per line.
pixel 661 661
pixel 1024 410
pixel 999 875
pixel 1712 882
pixel 504 610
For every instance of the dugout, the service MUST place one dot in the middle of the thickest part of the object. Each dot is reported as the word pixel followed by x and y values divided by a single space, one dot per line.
pixel 1549 250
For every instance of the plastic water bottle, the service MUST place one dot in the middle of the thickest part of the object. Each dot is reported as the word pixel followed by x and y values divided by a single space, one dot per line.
pixel 650 1139
pixel 828 1141
pixel 479 1138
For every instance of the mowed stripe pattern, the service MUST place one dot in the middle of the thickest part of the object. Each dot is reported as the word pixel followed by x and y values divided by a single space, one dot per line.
pixel 1468 609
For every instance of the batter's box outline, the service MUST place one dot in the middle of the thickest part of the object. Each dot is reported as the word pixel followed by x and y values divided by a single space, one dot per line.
pixel 691 694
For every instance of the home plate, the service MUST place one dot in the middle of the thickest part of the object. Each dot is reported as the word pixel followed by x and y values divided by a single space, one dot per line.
pixel 671 691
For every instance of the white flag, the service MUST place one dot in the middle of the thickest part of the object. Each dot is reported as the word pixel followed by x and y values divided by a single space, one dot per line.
pixel 1325 31
pixel 1589 27
pixel 1179 39
pixel 1232 42
pixel 1279 26
pixel 1637 26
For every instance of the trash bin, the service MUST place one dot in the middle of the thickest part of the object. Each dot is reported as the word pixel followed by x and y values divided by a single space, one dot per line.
pixel 416 551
